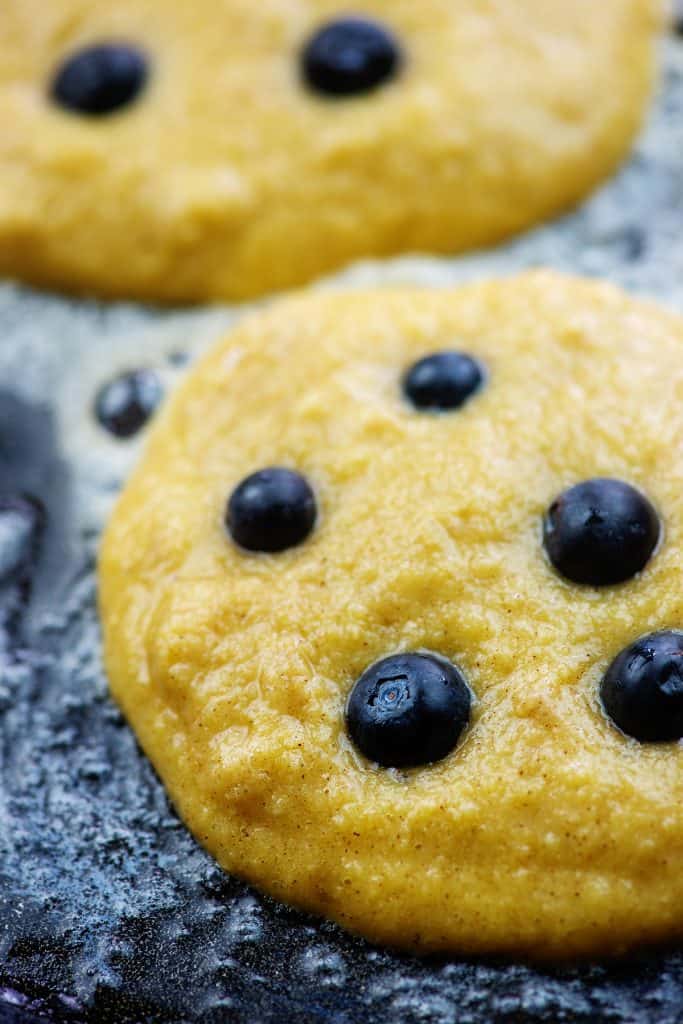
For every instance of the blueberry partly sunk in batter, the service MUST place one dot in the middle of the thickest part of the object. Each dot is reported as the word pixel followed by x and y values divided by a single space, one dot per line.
pixel 271 510
pixel 642 690
pixel 124 405
pixel 443 381
pixel 348 56
pixel 408 710
pixel 100 79
pixel 601 532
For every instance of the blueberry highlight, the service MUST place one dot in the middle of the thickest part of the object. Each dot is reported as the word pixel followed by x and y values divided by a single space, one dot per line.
pixel 125 404
pixel 642 690
pixel 442 382
pixel 601 532
pixel 100 79
pixel 350 56
pixel 271 510
pixel 408 710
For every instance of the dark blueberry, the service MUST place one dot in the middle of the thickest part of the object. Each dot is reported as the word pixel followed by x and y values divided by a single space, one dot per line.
pixel 271 510
pixel 350 56
pixel 21 523
pixel 100 79
pixel 601 532
pixel 642 690
pixel 408 710
pixel 125 404
pixel 443 381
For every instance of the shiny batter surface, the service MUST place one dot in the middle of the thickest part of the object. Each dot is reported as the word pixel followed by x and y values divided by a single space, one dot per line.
pixel 228 177
pixel 546 832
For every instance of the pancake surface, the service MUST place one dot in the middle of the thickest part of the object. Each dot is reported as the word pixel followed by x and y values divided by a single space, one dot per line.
pixel 545 831
pixel 206 164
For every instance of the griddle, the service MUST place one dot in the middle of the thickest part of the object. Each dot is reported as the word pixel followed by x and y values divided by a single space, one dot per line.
pixel 109 910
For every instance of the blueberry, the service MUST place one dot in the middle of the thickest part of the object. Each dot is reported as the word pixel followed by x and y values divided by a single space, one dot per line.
pixel 271 510
pixel 100 79
pixel 642 690
pixel 601 532
pixel 443 381
pixel 408 710
pixel 125 404
pixel 350 55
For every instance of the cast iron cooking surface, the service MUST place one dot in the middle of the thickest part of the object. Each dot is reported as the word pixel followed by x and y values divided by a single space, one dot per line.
pixel 109 911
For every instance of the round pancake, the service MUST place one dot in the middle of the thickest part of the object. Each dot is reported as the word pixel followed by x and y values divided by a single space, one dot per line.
pixel 545 831
pixel 211 167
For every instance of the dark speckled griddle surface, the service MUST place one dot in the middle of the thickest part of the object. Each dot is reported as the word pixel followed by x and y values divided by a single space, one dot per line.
pixel 109 911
